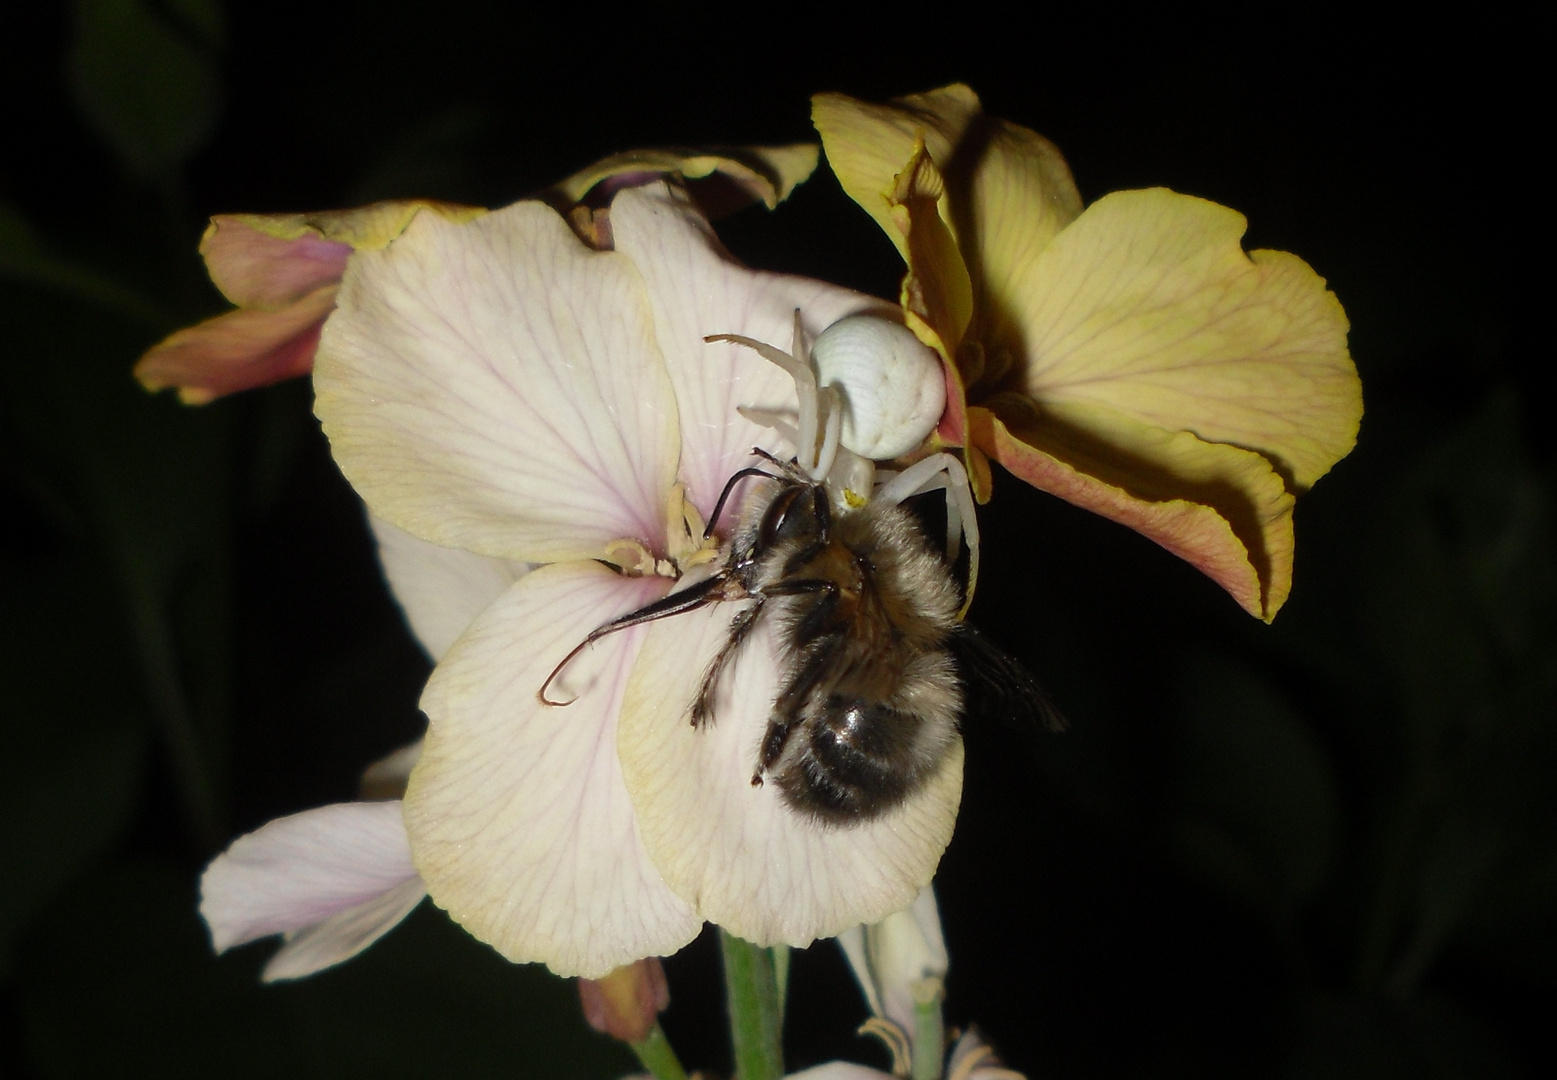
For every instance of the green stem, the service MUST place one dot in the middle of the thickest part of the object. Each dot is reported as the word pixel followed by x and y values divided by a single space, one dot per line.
pixel 781 978
pixel 929 1038
pixel 657 1056
pixel 751 990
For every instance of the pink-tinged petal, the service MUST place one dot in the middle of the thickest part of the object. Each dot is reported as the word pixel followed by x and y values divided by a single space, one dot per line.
pixel 344 934
pixel 254 268
pixel 519 818
pixel 496 386
pixel 1147 306
pixel 270 260
pixel 239 350
pixel 441 590
pixel 303 869
pixel 765 174
pixel 1222 509
pixel 746 860
pixel 697 289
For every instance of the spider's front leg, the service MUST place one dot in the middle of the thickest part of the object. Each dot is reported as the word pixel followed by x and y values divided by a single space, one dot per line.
pixel 942 472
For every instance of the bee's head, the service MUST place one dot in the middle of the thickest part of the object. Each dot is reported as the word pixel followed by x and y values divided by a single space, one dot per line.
pixel 798 514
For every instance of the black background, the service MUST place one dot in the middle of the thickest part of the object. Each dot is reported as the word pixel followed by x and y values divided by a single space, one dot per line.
pixel 1323 848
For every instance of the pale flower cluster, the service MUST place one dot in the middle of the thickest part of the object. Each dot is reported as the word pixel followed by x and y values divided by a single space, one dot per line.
pixel 539 430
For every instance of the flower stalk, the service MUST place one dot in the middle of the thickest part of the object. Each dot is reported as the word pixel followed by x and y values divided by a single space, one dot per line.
pixel 929 1032
pixel 756 1010
pixel 655 1054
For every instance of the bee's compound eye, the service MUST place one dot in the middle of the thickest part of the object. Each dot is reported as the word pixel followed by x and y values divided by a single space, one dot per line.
pixel 892 386
pixel 783 516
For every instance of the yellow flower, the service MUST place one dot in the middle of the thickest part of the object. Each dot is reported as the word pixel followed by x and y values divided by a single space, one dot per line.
pixel 1128 357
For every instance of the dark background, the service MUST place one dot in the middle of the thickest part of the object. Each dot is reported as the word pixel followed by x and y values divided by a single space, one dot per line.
pixel 1324 848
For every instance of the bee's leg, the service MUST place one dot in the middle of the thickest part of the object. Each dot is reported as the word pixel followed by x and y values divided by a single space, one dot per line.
pixel 740 628
pixel 787 712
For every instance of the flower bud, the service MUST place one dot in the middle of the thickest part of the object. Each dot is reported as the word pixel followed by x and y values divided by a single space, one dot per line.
pixel 625 1003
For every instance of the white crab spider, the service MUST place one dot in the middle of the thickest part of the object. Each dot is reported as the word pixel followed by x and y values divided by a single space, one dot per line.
pixel 895 393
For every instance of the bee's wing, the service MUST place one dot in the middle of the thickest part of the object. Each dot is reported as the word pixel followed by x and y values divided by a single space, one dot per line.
pixel 999 685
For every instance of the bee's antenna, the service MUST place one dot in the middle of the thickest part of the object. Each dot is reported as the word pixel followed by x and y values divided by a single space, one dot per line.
pixel 688 599
pixel 713 519
pixel 566 660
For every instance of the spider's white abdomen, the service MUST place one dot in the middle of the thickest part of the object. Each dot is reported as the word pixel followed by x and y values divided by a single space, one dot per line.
pixel 892 386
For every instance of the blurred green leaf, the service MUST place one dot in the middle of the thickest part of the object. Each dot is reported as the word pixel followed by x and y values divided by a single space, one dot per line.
pixel 118 980
pixel 146 78
pixel 151 483
pixel 1459 615
pixel 1257 804
pixel 1336 1038
pixel 74 731
pixel 24 258
pixel 1461 600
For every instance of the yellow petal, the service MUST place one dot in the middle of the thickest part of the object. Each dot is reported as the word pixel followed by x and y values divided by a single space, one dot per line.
pixel 1008 189
pixel 1017 197
pixel 1148 308
pixel 937 296
pixel 869 145
pixel 267 260
pixel 1222 509
pixel 766 174
pixel 937 293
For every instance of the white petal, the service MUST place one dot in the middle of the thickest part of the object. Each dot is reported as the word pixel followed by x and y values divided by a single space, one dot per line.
pixel 852 942
pixel 697 289
pixel 521 823
pixel 344 934
pixel 840 1070
pixel 890 957
pixel 300 870
pixel 907 948
pixel 496 386
pixel 747 861
pixel 440 589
